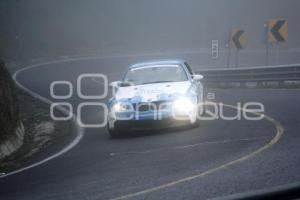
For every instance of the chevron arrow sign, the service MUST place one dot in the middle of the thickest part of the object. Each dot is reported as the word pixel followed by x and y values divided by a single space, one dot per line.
pixel 277 30
pixel 238 38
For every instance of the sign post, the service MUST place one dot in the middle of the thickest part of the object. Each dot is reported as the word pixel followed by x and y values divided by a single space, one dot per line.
pixel 238 41
pixel 228 45
pixel 266 44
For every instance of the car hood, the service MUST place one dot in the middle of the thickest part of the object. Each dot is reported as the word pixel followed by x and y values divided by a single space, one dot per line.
pixel 152 92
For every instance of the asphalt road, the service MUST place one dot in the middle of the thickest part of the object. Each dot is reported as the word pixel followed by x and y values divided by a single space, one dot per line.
pixel 220 157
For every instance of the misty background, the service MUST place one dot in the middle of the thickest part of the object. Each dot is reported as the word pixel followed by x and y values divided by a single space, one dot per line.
pixel 32 29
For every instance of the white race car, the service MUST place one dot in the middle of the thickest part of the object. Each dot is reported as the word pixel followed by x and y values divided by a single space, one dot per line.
pixel 155 95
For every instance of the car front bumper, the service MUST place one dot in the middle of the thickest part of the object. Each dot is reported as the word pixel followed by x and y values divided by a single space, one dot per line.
pixel 145 121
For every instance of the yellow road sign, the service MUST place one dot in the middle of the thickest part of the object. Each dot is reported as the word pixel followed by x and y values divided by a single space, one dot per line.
pixel 237 38
pixel 277 30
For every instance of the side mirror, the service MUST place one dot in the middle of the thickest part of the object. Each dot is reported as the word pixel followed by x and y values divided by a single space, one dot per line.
pixel 197 77
pixel 115 84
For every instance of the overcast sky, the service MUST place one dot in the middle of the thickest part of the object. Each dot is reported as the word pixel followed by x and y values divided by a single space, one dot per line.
pixel 128 26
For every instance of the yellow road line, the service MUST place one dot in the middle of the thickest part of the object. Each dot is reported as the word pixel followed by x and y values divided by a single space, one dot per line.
pixel 188 146
pixel 275 139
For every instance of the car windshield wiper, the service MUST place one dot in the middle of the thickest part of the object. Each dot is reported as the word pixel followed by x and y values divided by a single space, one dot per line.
pixel 156 82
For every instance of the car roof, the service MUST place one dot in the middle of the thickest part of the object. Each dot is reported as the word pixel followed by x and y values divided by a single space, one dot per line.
pixel 158 62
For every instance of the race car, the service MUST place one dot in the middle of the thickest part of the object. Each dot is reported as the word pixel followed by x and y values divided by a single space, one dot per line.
pixel 153 95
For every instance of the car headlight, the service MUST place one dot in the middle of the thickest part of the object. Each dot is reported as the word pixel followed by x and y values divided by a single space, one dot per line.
pixel 183 105
pixel 119 107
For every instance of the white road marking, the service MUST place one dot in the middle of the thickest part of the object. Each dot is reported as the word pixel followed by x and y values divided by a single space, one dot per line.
pixel 79 133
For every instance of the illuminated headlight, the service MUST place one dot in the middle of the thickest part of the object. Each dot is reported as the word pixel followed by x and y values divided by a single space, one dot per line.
pixel 183 105
pixel 119 107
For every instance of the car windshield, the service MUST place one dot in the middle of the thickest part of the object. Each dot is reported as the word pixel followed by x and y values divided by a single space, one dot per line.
pixel 155 74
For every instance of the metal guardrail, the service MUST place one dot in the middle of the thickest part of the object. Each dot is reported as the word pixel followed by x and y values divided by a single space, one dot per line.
pixel 255 74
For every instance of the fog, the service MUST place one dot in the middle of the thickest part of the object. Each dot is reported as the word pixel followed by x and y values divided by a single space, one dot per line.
pixel 52 28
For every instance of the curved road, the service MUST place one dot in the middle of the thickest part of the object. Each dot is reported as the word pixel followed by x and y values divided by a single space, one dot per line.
pixel 216 159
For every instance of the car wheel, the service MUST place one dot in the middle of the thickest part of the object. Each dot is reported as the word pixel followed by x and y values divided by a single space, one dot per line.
pixel 200 112
pixel 201 109
pixel 113 132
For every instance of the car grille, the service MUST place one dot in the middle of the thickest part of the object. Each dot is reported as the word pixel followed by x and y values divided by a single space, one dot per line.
pixel 151 106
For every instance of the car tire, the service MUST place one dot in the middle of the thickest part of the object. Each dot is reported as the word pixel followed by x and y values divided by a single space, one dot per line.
pixel 195 122
pixel 200 112
pixel 113 132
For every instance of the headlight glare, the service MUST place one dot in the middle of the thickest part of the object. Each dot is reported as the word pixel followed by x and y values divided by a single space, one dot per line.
pixel 183 105
pixel 119 107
